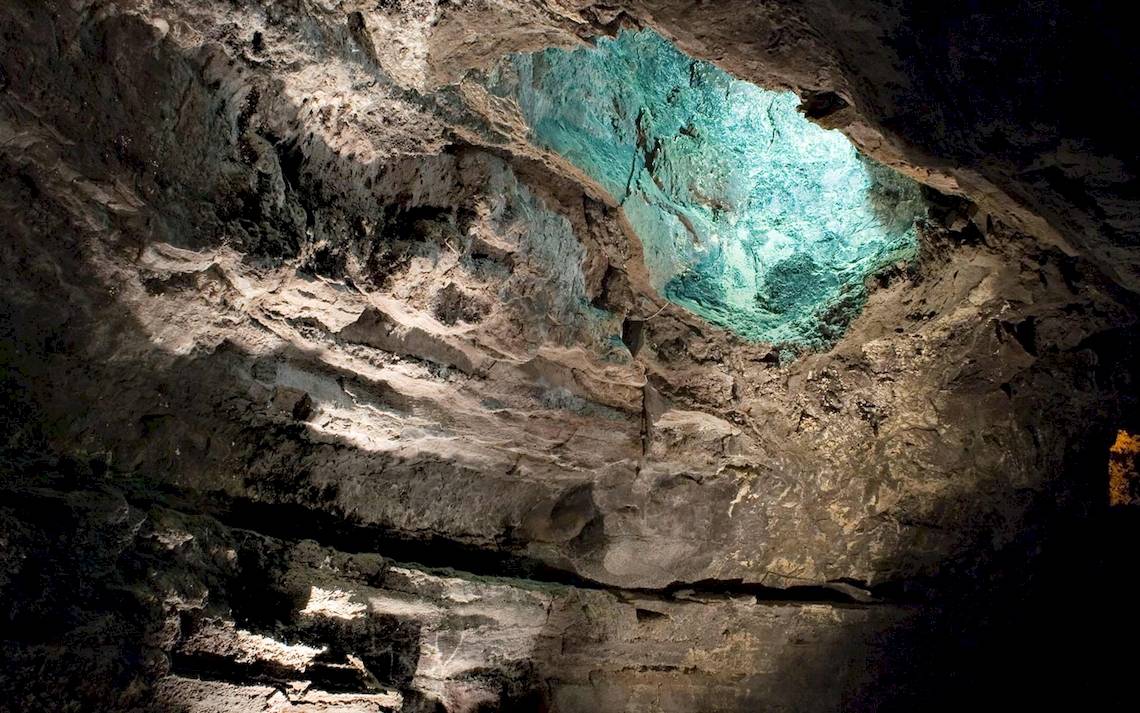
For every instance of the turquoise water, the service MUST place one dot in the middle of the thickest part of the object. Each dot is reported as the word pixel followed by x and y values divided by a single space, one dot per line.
pixel 751 216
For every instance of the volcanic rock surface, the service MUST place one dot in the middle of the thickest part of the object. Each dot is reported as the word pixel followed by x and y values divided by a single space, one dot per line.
pixel 325 388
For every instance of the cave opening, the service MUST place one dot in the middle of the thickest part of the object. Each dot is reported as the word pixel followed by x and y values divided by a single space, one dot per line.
pixel 750 215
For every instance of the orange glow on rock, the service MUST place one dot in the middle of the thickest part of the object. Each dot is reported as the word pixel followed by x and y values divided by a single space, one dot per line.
pixel 1123 478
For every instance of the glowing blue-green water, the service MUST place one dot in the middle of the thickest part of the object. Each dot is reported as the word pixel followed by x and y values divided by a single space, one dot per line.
pixel 751 216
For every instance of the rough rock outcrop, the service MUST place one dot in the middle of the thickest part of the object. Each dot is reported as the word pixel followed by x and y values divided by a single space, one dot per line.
pixel 325 389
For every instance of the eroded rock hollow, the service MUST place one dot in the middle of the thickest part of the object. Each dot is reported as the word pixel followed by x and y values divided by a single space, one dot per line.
pixel 554 355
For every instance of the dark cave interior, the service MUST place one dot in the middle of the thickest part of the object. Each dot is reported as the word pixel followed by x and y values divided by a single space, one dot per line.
pixel 406 356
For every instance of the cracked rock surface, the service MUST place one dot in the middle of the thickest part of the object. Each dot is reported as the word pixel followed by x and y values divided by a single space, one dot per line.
pixel 325 389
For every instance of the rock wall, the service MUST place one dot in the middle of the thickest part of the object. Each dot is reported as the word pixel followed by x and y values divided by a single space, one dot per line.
pixel 324 388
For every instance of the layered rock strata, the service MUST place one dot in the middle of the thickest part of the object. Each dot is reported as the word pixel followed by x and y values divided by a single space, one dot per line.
pixel 324 389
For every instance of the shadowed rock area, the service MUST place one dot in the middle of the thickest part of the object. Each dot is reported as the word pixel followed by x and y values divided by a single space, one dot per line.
pixel 324 386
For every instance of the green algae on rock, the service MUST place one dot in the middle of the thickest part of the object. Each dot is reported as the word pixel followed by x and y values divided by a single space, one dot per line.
pixel 750 215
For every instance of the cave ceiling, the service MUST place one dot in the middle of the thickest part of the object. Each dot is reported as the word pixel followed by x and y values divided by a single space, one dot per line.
pixel 553 355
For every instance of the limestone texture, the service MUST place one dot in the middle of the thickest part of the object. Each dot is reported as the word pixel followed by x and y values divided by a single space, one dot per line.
pixel 325 386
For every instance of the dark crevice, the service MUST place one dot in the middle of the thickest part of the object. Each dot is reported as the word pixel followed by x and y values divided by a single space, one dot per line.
pixel 1025 332
pixel 296 522
pixel 332 678
pixel 633 335
pixel 217 667
pixel 820 105
pixel 648 615
pixel 822 594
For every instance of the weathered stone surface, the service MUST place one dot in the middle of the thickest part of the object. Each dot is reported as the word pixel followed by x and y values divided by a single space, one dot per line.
pixel 227 619
pixel 315 369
